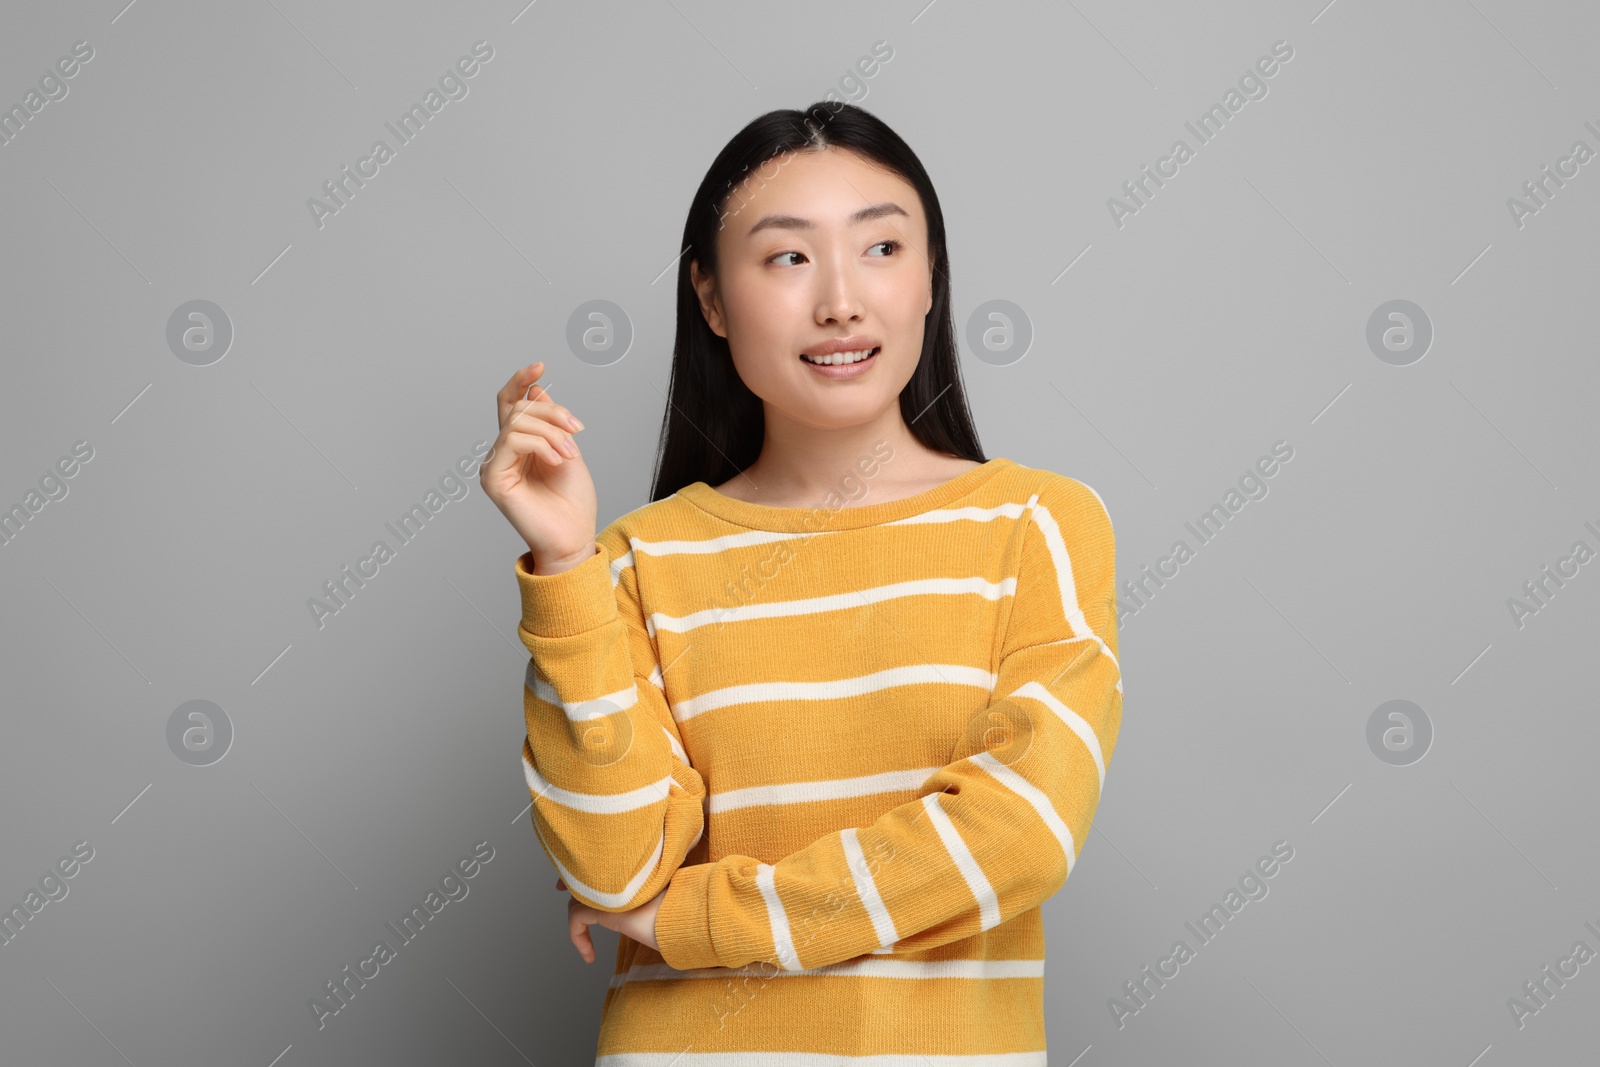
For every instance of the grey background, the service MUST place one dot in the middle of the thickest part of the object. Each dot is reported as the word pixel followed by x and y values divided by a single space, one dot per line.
pixel 1228 314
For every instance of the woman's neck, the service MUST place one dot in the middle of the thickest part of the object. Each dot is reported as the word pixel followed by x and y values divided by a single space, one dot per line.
pixel 789 479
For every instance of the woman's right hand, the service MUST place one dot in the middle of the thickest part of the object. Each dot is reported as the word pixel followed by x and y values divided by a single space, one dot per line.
pixel 536 477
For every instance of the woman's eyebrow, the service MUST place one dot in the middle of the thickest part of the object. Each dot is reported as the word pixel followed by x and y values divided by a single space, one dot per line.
pixel 793 222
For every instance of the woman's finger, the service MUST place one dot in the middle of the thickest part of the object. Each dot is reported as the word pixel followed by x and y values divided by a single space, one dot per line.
pixel 579 916
pixel 545 408
pixel 526 421
pixel 586 946
pixel 514 444
pixel 515 389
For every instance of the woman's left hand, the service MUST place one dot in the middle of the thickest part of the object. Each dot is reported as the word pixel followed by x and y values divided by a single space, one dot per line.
pixel 639 924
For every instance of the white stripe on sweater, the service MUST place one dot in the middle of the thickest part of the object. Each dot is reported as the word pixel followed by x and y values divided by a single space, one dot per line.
pixel 859 685
pixel 826 789
pixel 1036 797
pixel 1008 510
pixel 1046 524
pixel 677 749
pixel 867 890
pixel 594 803
pixel 709 545
pixel 586 891
pixel 579 710
pixel 712 545
pixel 1102 504
pixel 965 861
pixel 620 564
pixel 833 602
pixel 782 939
pixel 817 1059
pixel 864 967
pixel 1074 722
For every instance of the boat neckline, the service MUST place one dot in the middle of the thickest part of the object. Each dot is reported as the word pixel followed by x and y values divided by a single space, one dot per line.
pixel 821 518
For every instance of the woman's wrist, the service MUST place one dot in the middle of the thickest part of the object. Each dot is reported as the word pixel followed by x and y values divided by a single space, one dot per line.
pixel 544 566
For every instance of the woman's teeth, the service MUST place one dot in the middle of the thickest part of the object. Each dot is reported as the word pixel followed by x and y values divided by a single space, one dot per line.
pixel 839 357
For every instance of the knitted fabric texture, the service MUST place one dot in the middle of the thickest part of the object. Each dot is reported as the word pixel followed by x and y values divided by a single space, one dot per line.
pixel 857 746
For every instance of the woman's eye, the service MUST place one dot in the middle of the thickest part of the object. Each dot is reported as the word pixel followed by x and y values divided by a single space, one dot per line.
pixel 894 246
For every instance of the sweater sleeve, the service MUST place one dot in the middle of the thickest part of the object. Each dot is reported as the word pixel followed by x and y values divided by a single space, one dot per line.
pixel 616 804
pixel 989 836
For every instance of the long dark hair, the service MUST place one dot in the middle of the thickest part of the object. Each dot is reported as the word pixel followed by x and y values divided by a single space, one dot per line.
pixel 714 425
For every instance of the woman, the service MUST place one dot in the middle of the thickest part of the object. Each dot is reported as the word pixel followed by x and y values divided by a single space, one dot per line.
pixel 819 728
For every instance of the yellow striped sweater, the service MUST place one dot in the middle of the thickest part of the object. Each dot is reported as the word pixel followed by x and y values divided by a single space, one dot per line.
pixel 858 745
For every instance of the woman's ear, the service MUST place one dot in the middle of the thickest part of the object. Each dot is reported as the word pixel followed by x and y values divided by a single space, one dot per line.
pixel 705 288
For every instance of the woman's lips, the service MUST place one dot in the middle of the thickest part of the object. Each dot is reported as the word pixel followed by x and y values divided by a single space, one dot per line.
pixel 844 370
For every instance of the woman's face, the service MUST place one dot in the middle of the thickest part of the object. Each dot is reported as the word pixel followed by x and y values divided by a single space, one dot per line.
pixel 814 247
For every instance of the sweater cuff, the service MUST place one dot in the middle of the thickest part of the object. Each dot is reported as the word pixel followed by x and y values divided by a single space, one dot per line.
pixel 572 602
pixel 683 922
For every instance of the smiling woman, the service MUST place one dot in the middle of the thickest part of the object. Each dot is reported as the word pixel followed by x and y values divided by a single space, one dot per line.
pixel 821 801
pixel 830 281
pixel 838 247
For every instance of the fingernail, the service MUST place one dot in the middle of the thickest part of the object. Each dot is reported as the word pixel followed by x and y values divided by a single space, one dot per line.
pixel 572 420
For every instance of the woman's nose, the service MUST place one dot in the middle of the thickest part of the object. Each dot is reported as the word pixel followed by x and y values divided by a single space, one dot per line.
pixel 838 300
